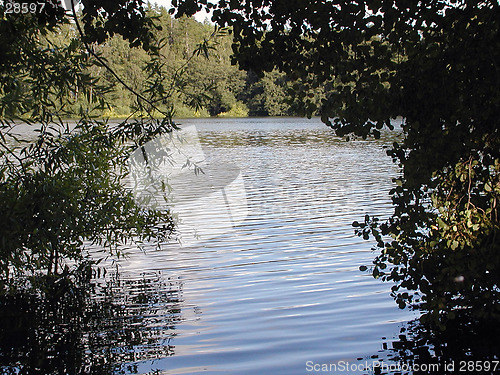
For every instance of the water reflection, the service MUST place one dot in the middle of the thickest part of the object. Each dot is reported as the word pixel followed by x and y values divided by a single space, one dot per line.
pixel 73 330
pixel 464 347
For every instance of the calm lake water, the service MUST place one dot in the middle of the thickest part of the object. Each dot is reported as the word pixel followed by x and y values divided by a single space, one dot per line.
pixel 282 288
pixel 277 291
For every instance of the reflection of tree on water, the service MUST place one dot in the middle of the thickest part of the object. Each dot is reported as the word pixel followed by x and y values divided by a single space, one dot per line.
pixel 463 348
pixel 70 330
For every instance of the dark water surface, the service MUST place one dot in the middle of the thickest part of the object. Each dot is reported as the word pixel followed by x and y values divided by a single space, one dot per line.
pixel 279 292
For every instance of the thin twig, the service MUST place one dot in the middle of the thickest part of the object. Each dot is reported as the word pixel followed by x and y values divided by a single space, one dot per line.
pixel 470 182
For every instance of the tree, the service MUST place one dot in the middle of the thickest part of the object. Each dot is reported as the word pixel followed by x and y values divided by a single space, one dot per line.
pixel 267 95
pixel 436 64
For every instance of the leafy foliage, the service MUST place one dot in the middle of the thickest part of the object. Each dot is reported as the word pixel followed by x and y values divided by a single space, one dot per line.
pixel 103 19
pixel 433 63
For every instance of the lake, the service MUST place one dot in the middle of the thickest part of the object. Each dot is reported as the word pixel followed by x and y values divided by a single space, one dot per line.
pixel 282 287
pixel 266 280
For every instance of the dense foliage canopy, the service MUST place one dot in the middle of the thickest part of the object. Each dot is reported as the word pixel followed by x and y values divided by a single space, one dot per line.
pixel 435 64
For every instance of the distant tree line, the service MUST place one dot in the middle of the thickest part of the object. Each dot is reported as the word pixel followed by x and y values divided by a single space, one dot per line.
pixel 206 87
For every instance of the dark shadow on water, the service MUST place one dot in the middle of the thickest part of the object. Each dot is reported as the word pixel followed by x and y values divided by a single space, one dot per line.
pixel 107 329
pixel 463 348
pixel 117 324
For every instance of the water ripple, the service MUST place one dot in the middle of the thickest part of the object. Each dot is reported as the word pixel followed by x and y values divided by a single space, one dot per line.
pixel 282 287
